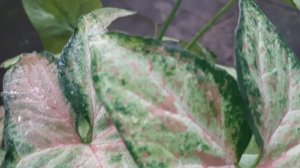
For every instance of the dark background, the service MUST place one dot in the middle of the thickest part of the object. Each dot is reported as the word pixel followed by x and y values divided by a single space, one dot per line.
pixel 18 36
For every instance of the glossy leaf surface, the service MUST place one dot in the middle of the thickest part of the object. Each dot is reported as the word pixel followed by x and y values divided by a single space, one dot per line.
pixel 269 75
pixel 55 20
pixel 172 109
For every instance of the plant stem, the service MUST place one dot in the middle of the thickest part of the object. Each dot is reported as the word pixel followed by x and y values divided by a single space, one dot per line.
pixel 169 20
pixel 211 22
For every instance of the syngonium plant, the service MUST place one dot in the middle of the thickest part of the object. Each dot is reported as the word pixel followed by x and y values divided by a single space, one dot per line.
pixel 115 100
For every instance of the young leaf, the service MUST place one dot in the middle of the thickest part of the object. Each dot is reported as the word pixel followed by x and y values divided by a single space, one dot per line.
pixel 40 128
pixel 172 109
pixel 75 67
pixel 269 77
pixel 55 20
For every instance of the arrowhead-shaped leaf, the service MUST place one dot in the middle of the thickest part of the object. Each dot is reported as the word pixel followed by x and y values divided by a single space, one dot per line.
pixel 55 20
pixel 40 128
pixel 172 109
pixel 269 75
pixel 45 129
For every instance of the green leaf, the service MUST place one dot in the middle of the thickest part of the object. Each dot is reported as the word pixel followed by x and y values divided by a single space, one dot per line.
pixel 172 108
pixel 290 2
pixel 269 76
pixel 297 2
pixel 55 20
pixel 293 3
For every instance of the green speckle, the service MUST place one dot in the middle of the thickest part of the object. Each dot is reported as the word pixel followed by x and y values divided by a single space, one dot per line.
pixel 116 158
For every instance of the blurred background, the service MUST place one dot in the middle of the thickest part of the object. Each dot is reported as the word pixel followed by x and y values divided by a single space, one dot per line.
pixel 17 35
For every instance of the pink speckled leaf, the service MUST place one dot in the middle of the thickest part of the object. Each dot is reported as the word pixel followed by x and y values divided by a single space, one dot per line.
pixel 40 125
pixel 171 108
pixel 269 76
pixel 51 124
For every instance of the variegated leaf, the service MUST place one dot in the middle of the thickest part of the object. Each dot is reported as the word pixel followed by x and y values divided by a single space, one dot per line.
pixel 45 129
pixel 40 127
pixel 269 76
pixel 172 109
pixel 75 67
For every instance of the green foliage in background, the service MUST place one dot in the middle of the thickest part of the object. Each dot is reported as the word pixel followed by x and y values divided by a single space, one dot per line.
pixel 55 20
pixel 294 3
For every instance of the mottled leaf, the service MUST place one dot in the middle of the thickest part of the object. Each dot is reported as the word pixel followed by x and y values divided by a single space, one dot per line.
pixel 40 127
pixel 172 108
pixel 75 67
pixel 269 77
pixel 55 20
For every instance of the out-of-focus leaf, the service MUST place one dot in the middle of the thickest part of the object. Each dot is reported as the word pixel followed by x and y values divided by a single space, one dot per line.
pixel 269 76
pixel 172 108
pixel 55 20
pixel 293 3
pixel 290 2
pixel 297 2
